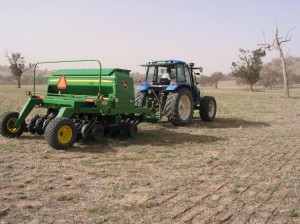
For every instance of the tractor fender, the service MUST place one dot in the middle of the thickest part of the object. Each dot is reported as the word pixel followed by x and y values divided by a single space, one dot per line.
pixel 176 86
pixel 144 87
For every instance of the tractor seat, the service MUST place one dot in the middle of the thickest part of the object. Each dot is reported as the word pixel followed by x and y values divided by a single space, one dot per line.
pixel 164 81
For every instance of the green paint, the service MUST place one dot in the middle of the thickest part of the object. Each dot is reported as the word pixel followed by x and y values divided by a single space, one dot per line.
pixel 81 95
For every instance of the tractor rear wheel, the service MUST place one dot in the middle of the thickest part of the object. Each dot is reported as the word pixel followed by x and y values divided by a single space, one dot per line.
pixel 61 133
pixel 208 108
pixel 7 128
pixel 179 107
pixel 140 99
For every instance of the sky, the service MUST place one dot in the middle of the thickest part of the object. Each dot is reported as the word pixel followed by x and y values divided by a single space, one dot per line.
pixel 128 33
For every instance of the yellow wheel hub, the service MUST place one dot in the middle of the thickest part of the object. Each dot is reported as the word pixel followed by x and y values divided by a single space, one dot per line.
pixel 65 134
pixel 10 125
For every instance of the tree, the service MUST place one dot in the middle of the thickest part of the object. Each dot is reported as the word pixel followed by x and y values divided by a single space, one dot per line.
pixel 278 44
pixel 216 78
pixel 290 75
pixel 249 66
pixel 269 77
pixel 206 80
pixel 17 65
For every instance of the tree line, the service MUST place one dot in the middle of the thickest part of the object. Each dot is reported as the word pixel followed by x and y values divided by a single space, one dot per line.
pixel 248 70
pixel 269 77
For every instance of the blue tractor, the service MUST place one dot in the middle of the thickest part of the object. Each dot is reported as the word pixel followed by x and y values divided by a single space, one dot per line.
pixel 170 89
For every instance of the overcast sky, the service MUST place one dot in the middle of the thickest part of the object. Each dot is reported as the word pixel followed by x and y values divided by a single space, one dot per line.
pixel 127 33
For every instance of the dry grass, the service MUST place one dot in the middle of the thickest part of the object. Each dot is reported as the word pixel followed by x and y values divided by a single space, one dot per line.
pixel 241 168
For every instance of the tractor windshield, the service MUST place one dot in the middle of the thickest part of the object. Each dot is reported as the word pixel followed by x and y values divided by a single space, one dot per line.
pixel 155 73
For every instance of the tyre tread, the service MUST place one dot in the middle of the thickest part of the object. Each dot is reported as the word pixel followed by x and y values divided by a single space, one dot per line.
pixel 171 107
pixel 50 133
pixel 3 130
pixel 204 108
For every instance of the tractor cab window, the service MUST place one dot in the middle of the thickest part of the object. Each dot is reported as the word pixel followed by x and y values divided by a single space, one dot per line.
pixel 180 73
pixel 187 74
pixel 166 74
pixel 162 74
pixel 151 76
pixel 160 71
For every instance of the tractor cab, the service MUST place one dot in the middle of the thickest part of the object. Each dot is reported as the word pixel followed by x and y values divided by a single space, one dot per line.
pixel 164 73
pixel 161 73
pixel 170 89
pixel 170 75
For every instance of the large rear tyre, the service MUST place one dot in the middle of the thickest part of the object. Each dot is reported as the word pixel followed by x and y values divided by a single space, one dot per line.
pixel 61 133
pixel 140 99
pixel 208 108
pixel 179 107
pixel 7 128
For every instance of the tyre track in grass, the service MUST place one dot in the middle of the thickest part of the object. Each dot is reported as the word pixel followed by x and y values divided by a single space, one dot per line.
pixel 189 213
pixel 263 211
pixel 227 198
pixel 263 208
pixel 206 179
pixel 210 172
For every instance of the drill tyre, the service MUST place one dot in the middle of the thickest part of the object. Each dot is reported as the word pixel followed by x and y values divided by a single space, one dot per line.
pixel 61 133
pixel 6 125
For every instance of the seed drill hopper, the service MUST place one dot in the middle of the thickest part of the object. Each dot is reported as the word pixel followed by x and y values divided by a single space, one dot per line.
pixel 81 104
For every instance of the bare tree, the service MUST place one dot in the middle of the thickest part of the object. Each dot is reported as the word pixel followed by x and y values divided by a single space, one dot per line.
pixel 278 44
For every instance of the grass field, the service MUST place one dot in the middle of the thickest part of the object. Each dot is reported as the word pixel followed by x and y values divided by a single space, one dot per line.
pixel 242 168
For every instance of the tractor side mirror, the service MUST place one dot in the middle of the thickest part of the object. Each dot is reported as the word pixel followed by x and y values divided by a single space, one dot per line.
pixel 200 69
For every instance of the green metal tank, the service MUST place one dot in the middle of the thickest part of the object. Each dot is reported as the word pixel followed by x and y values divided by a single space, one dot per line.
pixel 82 104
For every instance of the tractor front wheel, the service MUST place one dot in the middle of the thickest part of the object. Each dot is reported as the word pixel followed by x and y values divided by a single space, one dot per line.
pixel 179 107
pixel 7 128
pixel 61 133
pixel 208 108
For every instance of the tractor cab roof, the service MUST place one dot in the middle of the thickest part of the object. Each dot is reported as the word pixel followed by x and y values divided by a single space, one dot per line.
pixel 163 62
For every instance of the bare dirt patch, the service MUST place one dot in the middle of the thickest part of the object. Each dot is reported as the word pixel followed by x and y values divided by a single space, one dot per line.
pixel 241 168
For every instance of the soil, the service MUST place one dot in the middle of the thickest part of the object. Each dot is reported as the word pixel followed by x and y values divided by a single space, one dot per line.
pixel 241 168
